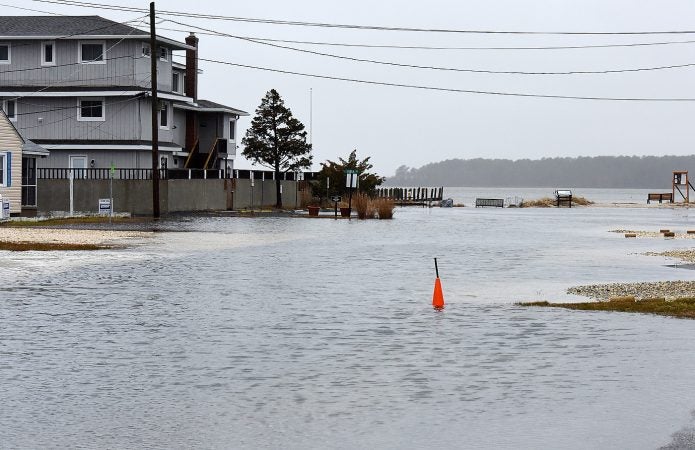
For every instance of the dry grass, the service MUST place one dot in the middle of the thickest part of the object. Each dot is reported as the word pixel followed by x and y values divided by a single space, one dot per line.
pixel 683 308
pixel 49 246
pixel 72 221
pixel 368 208
pixel 547 202
pixel 384 207
pixel 363 206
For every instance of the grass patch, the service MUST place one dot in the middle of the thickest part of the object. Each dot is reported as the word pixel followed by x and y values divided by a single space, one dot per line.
pixel 61 221
pixel 49 246
pixel 683 308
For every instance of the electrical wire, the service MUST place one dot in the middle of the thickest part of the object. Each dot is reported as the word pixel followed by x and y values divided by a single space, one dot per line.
pixel 447 69
pixel 106 50
pixel 32 10
pixel 72 116
pixel 441 89
pixel 350 26
pixel 429 47
pixel 55 66
pixel 84 32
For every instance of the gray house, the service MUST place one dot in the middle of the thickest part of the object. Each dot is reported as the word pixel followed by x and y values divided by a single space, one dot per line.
pixel 79 87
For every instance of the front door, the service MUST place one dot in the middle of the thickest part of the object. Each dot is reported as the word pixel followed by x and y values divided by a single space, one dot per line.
pixel 78 164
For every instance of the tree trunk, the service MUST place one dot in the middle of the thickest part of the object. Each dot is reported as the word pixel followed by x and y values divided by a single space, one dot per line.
pixel 278 194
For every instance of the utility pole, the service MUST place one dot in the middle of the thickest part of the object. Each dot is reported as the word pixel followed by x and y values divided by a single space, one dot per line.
pixel 154 55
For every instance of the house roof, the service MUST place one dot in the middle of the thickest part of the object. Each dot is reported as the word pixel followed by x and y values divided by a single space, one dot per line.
pixel 32 148
pixel 72 27
pixel 28 147
pixel 209 106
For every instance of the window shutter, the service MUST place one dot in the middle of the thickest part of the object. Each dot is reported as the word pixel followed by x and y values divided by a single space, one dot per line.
pixel 9 169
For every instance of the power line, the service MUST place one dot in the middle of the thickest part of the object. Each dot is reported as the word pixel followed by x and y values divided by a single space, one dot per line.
pixel 81 33
pixel 55 66
pixel 351 26
pixel 72 116
pixel 447 69
pixel 462 91
pixel 430 47
pixel 75 71
pixel 32 10
pixel 60 108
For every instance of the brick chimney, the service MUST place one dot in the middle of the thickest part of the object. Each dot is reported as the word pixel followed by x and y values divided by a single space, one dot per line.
pixel 192 67
pixel 191 90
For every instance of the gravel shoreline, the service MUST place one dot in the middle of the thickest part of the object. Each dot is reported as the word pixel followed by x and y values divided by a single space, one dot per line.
pixel 70 236
pixel 659 289
pixel 646 290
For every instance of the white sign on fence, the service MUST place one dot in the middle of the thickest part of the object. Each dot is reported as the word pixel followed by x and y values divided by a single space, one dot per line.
pixel 104 206
pixel 5 214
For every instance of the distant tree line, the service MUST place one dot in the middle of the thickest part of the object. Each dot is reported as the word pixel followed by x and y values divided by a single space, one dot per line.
pixel 598 171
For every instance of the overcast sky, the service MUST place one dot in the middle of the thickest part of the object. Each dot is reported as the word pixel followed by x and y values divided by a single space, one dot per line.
pixel 399 126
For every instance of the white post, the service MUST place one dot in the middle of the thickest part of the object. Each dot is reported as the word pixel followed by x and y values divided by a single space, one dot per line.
pixel 72 201
pixel 111 193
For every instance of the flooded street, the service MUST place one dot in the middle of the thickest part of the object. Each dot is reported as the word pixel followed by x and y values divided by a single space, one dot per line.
pixel 298 333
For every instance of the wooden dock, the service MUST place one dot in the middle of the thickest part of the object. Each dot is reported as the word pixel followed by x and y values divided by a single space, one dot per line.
pixel 412 196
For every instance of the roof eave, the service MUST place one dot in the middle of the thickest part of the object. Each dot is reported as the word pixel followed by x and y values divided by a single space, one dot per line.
pixel 175 45
pixel 190 107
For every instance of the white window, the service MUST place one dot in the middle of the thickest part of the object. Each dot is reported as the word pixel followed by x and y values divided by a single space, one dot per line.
pixel 91 52
pixel 5 54
pixel 146 50
pixel 10 108
pixel 164 115
pixel 5 169
pixel 91 110
pixel 232 130
pixel 48 57
pixel 175 82
pixel 163 53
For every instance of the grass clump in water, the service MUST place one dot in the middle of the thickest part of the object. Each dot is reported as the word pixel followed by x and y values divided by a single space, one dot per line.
pixel 49 246
pixel 384 207
pixel 682 308
pixel 547 202
pixel 62 221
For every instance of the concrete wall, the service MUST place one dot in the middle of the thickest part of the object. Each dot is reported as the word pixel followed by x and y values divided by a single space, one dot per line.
pixel 263 194
pixel 135 196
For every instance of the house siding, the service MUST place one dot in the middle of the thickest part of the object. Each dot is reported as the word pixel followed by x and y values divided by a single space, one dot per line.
pixel 11 142
pixel 53 121
pixel 120 68
pixel 55 118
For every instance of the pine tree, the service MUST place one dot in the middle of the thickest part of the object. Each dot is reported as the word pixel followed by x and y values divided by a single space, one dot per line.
pixel 335 171
pixel 277 140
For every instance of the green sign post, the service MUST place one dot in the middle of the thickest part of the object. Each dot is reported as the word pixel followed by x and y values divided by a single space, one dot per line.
pixel 351 176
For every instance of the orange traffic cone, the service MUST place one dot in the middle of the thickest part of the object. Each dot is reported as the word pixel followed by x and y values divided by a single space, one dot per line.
pixel 438 295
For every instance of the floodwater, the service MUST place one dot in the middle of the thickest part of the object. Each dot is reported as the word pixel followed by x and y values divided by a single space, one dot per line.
pixel 301 334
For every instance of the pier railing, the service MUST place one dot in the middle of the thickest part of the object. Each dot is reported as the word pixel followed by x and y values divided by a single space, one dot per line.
pixel 412 195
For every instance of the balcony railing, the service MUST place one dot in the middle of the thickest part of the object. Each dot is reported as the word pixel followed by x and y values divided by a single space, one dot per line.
pixel 63 173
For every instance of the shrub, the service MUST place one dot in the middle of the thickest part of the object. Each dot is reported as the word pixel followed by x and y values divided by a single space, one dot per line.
pixel 363 207
pixel 384 207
